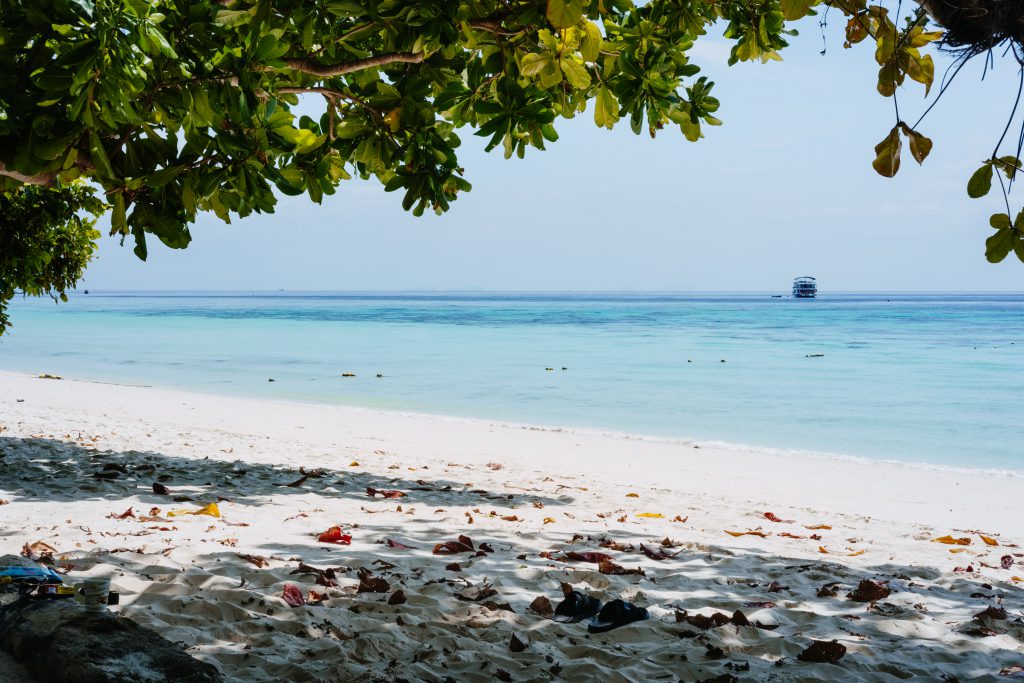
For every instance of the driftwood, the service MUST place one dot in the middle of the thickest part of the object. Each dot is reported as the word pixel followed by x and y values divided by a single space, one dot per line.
pixel 59 641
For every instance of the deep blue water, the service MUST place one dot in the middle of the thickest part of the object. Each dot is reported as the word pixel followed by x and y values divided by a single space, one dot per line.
pixel 937 378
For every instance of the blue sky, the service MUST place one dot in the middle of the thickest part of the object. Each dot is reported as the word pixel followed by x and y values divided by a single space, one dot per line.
pixel 784 188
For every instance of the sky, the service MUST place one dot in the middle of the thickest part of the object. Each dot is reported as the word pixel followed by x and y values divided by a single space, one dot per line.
pixel 784 188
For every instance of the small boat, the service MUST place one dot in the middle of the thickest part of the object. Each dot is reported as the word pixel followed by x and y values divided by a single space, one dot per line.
pixel 805 287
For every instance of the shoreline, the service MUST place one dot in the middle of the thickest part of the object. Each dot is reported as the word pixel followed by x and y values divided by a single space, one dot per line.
pixel 890 490
pixel 717 445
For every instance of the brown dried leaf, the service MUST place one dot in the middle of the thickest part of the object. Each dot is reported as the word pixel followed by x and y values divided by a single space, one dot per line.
pixel 823 652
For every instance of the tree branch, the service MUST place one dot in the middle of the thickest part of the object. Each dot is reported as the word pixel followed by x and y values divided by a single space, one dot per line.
pixel 38 179
pixel 309 66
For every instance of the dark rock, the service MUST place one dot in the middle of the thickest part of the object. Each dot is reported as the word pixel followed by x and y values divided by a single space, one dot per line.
pixel 59 641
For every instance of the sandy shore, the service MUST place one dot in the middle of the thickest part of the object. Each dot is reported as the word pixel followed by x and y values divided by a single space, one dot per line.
pixel 531 495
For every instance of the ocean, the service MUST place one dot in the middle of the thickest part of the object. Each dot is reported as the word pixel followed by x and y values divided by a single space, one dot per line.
pixel 928 378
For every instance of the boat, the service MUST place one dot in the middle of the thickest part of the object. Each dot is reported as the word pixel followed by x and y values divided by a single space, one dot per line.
pixel 805 287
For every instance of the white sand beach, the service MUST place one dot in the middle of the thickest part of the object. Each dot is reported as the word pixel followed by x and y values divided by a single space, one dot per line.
pixel 531 495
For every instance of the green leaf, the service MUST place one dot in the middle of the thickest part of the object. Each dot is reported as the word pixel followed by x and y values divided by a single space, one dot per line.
pixel 887 154
pixel 981 182
pixel 99 156
pixel 920 146
pixel 564 13
pixel 796 9
pixel 533 63
pixel 575 73
pixel 1000 221
pixel 606 108
pixel 235 17
pixel 590 46
pixel 1000 244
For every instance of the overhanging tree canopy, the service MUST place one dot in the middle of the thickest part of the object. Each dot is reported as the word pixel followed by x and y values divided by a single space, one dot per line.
pixel 174 107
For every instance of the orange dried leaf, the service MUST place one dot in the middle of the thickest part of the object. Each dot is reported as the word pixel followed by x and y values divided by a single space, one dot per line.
pixel 632 495
pixel 949 540
pixel 815 527
pixel 549 520
pixel 652 515
pixel 747 533
pixel 988 540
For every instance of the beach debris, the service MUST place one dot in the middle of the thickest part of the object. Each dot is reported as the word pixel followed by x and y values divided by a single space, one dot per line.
pixel 717 619
pixel 348 374
pixel 615 545
pixel 814 355
pixel 771 517
pixel 476 593
pixel 517 643
pixel 991 613
pixel 373 493
pixel 49 376
pixel 464 544
pixel 293 596
pixel 818 527
pixel 677 518
pixel 305 475
pixel 4 502
pixel 212 510
pixel 334 535
pixel 1012 672
pixel 776 587
pixel 368 583
pixel 825 551
pixel 632 495
pixel 541 606
pixel 988 540
pixel 609 567
pixel 159 489
pixel 822 652
pixel 950 540
pixel 549 520
pixel 870 591
pixel 829 590
pixel 324 577
pixel 1006 561
pixel 657 553
pixel 651 515
pixel 124 515
pixel 39 551
pixel 392 543
pixel 753 532
pixel 257 560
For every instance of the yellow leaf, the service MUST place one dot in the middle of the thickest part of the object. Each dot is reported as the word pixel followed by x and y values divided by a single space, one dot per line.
pixel 632 495
pixel 210 509
pixel 549 520
pixel 949 540
pixel 393 119
pixel 819 526
pixel 988 540
pixel 354 463
pixel 958 550
pixel 747 533
pixel 1017 579
pixel 825 551
pixel 652 515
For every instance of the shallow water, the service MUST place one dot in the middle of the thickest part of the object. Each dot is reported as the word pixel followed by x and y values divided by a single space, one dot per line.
pixel 934 378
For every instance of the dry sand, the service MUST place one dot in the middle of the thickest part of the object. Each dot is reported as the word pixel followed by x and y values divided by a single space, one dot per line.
pixel 523 491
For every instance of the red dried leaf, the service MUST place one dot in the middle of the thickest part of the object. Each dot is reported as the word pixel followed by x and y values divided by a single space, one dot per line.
pixel 334 535
pixel 293 596
pixel 770 516
pixel 1006 561
pixel 789 535
pixel 372 493
pixel 368 583
pixel 124 515
pixel 586 556
pixel 657 553
pixel 257 560
pixel 392 543
pixel 541 606
pixel 463 545
pixel 609 567
pixel 870 591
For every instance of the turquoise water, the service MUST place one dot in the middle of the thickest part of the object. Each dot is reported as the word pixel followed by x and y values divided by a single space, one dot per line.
pixel 932 378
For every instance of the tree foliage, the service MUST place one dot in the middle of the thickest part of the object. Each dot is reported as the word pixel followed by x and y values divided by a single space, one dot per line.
pixel 46 240
pixel 176 107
